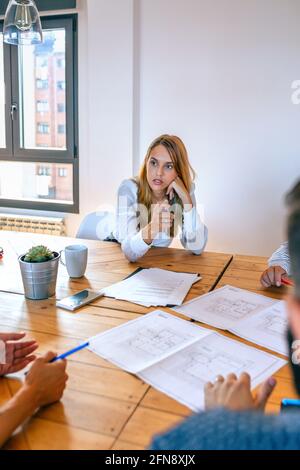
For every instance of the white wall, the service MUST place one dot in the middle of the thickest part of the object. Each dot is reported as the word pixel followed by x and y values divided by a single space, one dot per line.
pixel 216 72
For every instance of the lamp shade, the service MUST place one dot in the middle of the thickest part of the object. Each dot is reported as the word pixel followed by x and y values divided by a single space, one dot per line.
pixel 22 24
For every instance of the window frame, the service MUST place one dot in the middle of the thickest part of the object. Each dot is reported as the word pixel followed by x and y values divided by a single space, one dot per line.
pixel 7 152
pixel 13 151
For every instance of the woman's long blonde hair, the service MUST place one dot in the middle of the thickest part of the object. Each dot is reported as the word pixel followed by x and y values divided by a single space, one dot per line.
pixel 182 166
pixel 180 160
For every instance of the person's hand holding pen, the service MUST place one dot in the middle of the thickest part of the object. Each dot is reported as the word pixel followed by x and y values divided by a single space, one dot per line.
pixel 44 384
pixel 274 276
pixel 46 380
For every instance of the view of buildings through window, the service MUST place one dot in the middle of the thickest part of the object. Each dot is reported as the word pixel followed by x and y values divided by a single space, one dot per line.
pixel 42 78
pixel 36 181
pixel 42 114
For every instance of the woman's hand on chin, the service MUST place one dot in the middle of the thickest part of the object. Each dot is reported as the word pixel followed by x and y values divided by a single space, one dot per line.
pixel 177 186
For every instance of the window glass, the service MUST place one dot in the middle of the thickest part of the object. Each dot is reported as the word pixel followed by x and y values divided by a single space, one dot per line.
pixel 42 79
pixel 36 181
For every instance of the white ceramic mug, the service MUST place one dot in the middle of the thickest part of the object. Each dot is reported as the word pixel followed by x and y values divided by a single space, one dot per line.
pixel 76 259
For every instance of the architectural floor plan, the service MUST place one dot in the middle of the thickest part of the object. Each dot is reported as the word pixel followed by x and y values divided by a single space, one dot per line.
pixel 178 357
pixel 254 317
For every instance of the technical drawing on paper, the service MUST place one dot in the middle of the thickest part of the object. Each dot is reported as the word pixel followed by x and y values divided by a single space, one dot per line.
pixel 207 366
pixel 273 324
pixel 205 360
pixel 156 342
pixel 234 309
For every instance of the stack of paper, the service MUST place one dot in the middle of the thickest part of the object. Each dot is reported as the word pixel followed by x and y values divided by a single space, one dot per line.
pixel 153 287
pixel 178 357
pixel 251 316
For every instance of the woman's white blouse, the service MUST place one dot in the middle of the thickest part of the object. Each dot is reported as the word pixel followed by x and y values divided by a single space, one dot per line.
pixel 193 232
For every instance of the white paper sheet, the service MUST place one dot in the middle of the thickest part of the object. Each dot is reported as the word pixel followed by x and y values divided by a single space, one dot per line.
pixel 183 375
pixel 254 317
pixel 2 352
pixel 140 343
pixel 224 308
pixel 267 328
pixel 178 357
pixel 153 287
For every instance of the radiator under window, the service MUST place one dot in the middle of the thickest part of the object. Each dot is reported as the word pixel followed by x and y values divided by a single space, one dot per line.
pixel 33 224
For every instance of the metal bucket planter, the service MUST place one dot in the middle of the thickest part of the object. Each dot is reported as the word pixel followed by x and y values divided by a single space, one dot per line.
pixel 39 279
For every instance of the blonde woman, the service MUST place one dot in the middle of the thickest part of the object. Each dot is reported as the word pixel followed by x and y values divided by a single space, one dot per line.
pixel 153 207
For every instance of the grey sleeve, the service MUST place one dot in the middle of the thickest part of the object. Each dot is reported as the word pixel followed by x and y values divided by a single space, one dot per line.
pixel 229 430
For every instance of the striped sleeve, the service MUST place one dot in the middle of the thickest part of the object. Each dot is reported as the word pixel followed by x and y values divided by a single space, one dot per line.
pixel 281 257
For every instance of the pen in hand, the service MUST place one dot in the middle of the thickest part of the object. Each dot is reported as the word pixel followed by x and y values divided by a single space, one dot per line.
pixel 71 351
pixel 287 282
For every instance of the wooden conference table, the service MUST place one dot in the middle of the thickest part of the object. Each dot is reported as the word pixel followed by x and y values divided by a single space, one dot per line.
pixel 104 407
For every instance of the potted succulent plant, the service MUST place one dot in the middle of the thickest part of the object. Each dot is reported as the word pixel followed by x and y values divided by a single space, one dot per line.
pixel 39 272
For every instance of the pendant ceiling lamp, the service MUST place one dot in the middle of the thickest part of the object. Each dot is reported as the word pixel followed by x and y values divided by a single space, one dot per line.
pixel 22 24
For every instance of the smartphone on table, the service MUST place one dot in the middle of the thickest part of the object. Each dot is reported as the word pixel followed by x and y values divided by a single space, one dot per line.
pixel 84 297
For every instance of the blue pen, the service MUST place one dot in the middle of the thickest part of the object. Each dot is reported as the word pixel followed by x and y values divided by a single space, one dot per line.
pixel 71 351
pixel 290 402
